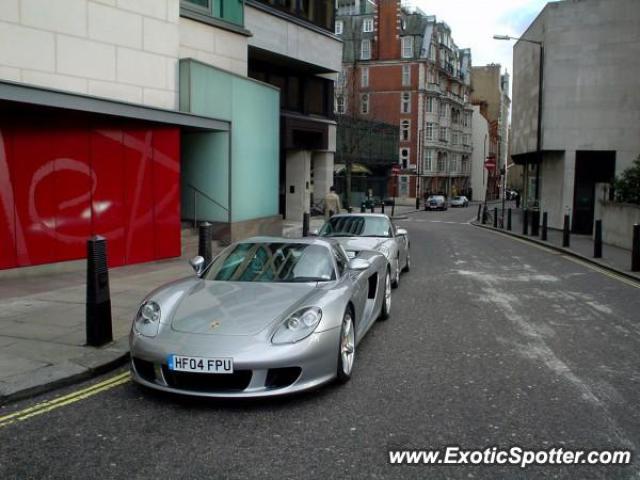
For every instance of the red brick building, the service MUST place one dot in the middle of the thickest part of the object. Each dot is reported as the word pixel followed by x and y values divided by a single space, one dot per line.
pixel 402 67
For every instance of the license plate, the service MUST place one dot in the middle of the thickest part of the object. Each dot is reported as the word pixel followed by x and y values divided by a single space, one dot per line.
pixel 183 363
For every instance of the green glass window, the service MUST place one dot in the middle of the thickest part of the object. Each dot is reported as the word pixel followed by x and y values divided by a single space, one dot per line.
pixel 231 11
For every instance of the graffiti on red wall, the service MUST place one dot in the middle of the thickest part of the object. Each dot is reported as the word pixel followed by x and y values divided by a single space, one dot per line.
pixel 60 184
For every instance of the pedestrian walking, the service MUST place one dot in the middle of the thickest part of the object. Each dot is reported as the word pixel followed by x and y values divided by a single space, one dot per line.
pixel 331 203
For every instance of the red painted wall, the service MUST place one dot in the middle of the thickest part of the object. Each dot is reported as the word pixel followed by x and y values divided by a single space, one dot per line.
pixel 64 178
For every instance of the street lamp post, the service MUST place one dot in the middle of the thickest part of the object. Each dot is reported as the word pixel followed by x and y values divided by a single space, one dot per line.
pixel 539 132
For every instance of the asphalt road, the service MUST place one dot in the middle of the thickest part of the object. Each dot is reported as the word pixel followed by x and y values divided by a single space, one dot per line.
pixel 491 342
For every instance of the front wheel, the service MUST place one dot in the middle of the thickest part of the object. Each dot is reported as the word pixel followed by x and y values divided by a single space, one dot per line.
pixel 407 265
pixel 396 277
pixel 347 349
pixel 386 300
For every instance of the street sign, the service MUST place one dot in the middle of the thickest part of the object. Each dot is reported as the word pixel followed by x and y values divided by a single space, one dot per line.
pixel 395 169
pixel 490 163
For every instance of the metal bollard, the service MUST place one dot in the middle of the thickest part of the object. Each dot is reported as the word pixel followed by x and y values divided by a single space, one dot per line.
pixel 205 233
pixel 485 214
pixel 535 223
pixel 349 209
pixel 597 240
pixel 479 211
pixel 635 249
pixel 98 301
pixel 509 219
pixel 305 224
pixel 495 217
pixel 566 240
pixel 417 202
pixel 372 207
pixel 393 209
pixel 382 207
pixel 525 222
pixel 545 220
pixel 363 208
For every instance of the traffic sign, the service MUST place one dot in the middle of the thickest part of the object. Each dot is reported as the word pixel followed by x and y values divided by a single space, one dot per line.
pixel 490 163
pixel 395 169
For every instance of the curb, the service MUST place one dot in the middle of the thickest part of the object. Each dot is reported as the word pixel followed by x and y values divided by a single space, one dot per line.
pixel 566 251
pixel 53 377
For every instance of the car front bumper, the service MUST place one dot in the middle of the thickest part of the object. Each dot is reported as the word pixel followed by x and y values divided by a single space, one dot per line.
pixel 260 369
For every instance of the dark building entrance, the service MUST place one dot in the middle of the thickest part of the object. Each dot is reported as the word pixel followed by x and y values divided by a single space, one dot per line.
pixel 591 167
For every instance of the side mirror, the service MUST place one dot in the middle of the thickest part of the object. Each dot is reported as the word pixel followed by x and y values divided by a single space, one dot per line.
pixel 314 232
pixel 359 264
pixel 197 263
pixel 402 231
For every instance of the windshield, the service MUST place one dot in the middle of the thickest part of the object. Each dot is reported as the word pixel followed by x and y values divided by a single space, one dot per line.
pixel 356 226
pixel 436 198
pixel 273 262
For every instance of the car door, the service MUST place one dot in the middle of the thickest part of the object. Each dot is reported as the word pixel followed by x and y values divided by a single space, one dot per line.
pixel 359 287
pixel 401 245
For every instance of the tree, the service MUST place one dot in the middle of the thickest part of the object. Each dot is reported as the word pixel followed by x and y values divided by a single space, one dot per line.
pixel 627 185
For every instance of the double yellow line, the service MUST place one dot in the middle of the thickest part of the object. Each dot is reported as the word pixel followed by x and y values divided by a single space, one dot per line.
pixel 49 405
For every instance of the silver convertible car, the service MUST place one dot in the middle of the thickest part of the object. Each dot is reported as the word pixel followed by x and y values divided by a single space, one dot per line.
pixel 371 231
pixel 268 316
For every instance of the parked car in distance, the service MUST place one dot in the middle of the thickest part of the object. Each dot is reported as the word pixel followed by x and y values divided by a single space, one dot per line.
pixel 460 201
pixel 435 202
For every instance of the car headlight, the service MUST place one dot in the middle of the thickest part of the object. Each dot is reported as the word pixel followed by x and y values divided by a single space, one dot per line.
pixel 147 320
pixel 297 326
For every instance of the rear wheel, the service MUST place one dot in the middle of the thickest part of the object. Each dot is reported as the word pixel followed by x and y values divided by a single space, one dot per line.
pixel 386 300
pixel 347 348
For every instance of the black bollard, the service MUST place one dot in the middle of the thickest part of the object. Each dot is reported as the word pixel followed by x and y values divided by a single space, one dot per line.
pixel 566 242
pixel 525 222
pixel 597 240
pixel 635 249
pixel 372 206
pixel 349 209
pixel 545 220
pixel 382 207
pixel 485 214
pixel 393 209
pixel 363 208
pixel 305 224
pixel 509 219
pixel 98 306
pixel 417 202
pixel 479 211
pixel 204 242
pixel 495 217
pixel 331 213
pixel 535 223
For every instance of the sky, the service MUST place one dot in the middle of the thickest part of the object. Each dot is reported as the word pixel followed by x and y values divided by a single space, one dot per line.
pixel 474 22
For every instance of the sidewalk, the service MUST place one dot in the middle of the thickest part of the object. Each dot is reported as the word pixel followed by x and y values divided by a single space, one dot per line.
pixel 613 258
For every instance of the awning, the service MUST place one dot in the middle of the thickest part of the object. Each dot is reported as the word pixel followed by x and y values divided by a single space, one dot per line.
pixel 356 169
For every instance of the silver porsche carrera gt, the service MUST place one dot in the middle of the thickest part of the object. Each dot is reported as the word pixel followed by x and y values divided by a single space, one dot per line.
pixel 268 316
pixel 371 231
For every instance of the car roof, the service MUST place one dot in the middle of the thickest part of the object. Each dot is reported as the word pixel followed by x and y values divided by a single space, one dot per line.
pixel 327 242
pixel 359 214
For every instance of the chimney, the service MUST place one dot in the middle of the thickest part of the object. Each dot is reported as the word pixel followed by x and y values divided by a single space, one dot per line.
pixel 388 23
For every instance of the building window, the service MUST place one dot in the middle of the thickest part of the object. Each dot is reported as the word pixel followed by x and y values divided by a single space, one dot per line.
pixel 339 27
pixel 405 130
pixel 367 25
pixel 364 104
pixel 407 47
pixel 432 53
pixel 442 163
pixel 454 138
pixel 231 11
pixel 443 134
pixel 406 75
pixel 428 160
pixel 365 49
pixel 364 77
pixel 340 104
pixel 465 164
pixel 429 131
pixel 404 158
pixel 405 103
pixel 404 185
pixel 430 102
